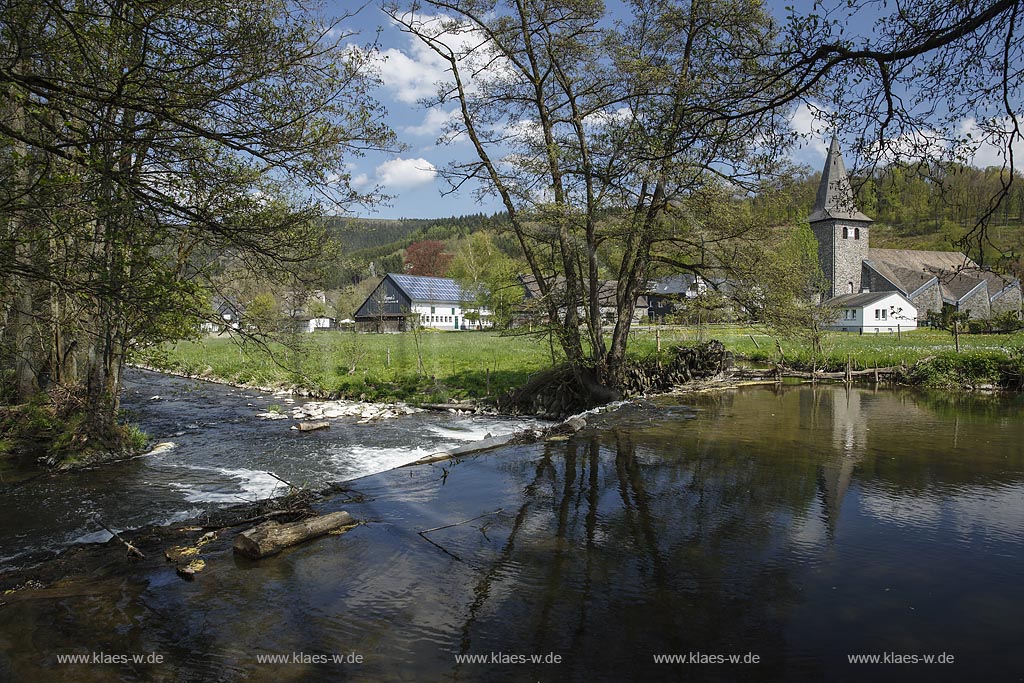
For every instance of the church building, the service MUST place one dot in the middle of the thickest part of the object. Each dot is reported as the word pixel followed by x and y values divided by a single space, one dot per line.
pixel 930 280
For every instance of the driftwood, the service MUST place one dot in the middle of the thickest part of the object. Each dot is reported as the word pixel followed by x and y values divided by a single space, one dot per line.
pixel 132 550
pixel 846 375
pixel 272 537
pixel 313 426
pixel 470 407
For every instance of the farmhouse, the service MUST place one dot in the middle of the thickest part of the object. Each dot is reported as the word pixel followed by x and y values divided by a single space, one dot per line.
pixel 930 280
pixel 533 307
pixel 227 315
pixel 436 302
pixel 874 312
pixel 666 295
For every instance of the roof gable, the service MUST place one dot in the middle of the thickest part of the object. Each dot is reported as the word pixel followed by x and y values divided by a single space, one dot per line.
pixel 864 299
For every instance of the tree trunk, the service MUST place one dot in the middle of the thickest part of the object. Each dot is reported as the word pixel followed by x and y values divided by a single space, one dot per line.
pixel 271 537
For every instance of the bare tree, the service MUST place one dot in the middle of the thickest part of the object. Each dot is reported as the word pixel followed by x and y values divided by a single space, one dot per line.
pixel 609 145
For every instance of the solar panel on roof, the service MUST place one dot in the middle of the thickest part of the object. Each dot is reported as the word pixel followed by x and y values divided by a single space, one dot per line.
pixel 422 288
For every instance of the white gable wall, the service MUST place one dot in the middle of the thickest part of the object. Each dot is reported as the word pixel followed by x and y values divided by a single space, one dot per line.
pixel 890 314
pixel 445 315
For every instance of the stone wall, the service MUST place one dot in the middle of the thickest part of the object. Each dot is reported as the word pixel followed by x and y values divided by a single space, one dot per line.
pixel 977 304
pixel 1009 300
pixel 928 300
pixel 841 258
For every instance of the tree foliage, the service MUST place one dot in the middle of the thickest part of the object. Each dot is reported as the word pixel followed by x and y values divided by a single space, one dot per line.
pixel 427 257
pixel 608 145
pixel 489 277
pixel 787 291
pixel 929 80
pixel 143 143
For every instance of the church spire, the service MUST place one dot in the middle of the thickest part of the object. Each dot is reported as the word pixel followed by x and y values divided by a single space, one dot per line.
pixel 835 194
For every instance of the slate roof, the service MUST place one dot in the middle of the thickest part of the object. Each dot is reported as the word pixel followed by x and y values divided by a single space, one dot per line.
pixel 908 281
pixel 958 276
pixel 860 300
pixel 913 259
pixel 672 284
pixel 956 288
pixel 997 284
pixel 423 288
pixel 835 194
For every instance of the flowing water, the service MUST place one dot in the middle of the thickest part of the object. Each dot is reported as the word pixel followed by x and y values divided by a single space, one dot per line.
pixel 220 453
pixel 799 525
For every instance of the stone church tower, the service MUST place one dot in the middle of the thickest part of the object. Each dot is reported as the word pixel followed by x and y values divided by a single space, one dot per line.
pixel 841 229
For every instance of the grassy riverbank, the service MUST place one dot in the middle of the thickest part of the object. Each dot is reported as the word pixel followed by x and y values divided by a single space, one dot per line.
pixel 474 365
pixel 463 365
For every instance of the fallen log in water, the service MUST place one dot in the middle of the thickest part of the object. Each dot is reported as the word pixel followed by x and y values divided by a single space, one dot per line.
pixel 313 426
pixel 272 537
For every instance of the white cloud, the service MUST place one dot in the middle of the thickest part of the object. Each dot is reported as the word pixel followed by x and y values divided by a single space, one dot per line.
pixel 604 118
pixel 809 120
pixel 413 78
pixel 986 146
pixel 433 123
pixel 416 72
pixel 404 174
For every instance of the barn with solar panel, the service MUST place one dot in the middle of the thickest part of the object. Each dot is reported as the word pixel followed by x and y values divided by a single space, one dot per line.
pixel 437 301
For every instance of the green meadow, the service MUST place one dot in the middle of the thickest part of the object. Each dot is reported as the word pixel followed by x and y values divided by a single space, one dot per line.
pixel 478 365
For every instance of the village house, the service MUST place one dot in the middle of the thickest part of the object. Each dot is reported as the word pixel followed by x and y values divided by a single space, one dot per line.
pixel 928 280
pixel 227 316
pixel 874 312
pixel 667 294
pixel 534 308
pixel 435 302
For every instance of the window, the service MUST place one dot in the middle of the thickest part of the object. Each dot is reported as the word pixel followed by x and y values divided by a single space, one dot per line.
pixel 453 311
pixel 856 233
pixel 846 233
pixel 849 286
pixel 878 314
pixel 432 310
pixel 884 314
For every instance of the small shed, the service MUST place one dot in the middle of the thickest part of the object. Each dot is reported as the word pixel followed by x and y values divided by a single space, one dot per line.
pixel 873 312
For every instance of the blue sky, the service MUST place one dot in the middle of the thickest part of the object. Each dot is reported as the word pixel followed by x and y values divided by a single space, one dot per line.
pixel 408 72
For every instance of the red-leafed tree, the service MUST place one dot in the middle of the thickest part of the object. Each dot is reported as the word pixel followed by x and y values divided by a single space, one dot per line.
pixel 427 257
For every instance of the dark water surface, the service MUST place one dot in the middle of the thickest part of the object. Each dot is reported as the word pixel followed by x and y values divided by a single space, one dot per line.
pixel 799 525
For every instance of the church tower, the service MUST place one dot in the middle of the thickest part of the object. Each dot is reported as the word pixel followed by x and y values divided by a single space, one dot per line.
pixel 841 229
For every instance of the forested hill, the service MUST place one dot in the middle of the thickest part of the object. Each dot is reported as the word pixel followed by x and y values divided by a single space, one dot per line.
pixel 375 246
pixel 913 208
pixel 357 234
pixel 916 207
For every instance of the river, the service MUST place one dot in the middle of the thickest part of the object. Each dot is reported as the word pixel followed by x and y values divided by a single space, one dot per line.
pixel 222 454
pixel 790 527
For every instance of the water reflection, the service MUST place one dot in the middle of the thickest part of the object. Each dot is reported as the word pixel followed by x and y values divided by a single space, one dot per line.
pixel 799 524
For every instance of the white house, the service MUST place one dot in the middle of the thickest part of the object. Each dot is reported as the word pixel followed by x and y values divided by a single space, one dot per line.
pixel 873 312
pixel 436 302
pixel 322 322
